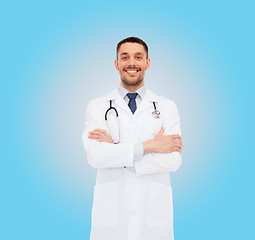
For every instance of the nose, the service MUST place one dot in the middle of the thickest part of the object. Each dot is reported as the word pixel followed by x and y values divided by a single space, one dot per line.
pixel 131 61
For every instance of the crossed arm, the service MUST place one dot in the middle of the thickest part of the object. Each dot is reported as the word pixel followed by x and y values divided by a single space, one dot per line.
pixel 160 154
pixel 159 144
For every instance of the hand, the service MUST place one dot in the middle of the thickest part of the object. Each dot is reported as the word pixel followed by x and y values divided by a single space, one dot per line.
pixel 163 143
pixel 100 135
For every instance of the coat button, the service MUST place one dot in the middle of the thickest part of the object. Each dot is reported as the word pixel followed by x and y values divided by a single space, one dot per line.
pixel 125 166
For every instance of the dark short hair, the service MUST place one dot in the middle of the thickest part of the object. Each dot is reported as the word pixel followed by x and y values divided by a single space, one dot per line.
pixel 132 40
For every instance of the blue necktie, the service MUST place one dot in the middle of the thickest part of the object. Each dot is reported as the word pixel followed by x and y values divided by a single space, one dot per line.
pixel 132 103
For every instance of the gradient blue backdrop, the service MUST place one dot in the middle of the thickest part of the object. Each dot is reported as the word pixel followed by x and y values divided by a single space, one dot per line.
pixel 56 55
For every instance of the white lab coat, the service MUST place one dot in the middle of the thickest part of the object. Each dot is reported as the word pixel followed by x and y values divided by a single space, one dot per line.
pixel 132 200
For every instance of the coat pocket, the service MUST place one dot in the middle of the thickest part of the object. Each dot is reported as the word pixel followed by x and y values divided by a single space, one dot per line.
pixel 160 206
pixel 105 205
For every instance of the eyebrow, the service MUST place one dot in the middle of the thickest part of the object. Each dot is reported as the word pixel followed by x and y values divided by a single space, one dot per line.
pixel 137 53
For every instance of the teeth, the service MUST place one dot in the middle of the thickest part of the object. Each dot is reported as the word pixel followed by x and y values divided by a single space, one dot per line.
pixel 131 71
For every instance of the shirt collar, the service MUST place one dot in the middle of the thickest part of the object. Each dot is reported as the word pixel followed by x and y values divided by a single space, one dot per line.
pixel 123 91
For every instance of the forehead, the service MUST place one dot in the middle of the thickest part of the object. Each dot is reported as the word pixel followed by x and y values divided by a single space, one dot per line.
pixel 131 48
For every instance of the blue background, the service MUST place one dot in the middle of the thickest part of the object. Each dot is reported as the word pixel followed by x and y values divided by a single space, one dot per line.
pixel 57 55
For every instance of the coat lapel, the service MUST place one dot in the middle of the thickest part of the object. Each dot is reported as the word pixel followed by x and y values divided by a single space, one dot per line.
pixel 146 102
pixel 118 101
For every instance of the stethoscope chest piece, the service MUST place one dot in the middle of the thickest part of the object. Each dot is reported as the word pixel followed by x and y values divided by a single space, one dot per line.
pixel 155 113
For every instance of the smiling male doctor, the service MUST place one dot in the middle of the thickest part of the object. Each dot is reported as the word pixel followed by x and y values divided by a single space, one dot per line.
pixel 133 194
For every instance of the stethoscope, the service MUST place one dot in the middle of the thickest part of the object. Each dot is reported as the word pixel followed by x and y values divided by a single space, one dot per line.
pixel 155 113
pixel 113 122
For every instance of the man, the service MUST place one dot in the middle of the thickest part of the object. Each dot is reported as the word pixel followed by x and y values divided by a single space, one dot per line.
pixel 132 137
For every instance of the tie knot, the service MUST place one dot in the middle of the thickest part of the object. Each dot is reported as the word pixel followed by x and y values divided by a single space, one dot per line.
pixel 132 95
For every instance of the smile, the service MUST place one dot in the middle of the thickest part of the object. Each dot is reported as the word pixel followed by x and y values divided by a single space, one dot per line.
pixel 132 72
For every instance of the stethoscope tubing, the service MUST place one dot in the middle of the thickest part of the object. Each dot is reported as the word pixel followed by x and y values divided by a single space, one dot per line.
pixel 110 108
pixel 113 108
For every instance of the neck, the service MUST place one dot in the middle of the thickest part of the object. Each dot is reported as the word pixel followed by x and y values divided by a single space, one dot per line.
pixel 132 88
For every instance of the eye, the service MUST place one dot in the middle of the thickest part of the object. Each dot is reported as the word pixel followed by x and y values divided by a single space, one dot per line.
pixel 138 57
pixel 124 58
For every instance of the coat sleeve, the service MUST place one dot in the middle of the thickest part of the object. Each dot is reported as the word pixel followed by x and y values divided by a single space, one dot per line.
pixel 163 162
pixel 101 154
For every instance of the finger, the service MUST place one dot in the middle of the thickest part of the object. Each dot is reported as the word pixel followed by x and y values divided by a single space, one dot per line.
pixel 92 132
pixel 161 132
pixel 95 138
pixel 175 149
pixel 100 130
pixel 91 136
pixel 174 139
pixel 179 143
pixel 105 133
pixel 96 131
pixel 176 136
pixel 100 135
pixel 95 134
pixel 178 149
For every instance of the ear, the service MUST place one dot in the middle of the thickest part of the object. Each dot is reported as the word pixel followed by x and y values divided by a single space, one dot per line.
pixel 116 64
pixel 148 64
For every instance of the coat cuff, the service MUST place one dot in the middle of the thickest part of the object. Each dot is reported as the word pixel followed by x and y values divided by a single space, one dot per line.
pixel 130 159
pixel 138 151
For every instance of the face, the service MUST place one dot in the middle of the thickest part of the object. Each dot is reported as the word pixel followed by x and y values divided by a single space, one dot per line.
pixel 132 64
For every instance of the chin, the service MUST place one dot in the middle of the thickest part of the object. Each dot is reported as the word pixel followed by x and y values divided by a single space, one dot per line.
pixel 132 82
